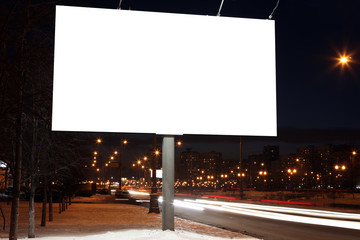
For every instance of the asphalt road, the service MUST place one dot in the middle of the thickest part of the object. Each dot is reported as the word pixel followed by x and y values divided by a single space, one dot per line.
pixel 266 228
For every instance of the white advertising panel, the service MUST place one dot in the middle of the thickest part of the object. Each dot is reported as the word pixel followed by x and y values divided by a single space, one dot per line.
pixel 158 173
pixel 146 72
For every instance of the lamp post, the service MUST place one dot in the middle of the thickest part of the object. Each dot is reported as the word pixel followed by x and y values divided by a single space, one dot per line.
pixel 240 165
pixel 154 205
pixel 353 183
pixel 122 143
pixel 339 168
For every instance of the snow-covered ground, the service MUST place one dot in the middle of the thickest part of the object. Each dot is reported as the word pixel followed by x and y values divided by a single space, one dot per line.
pixel 144 234
pixel 111 221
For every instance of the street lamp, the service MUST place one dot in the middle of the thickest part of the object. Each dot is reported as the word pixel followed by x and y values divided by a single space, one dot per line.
pixel 98 140
pixel 122 143
pixel 353 169
pixel 344 59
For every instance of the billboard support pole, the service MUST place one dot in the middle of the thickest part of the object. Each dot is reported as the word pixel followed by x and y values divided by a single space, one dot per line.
pixel 168 163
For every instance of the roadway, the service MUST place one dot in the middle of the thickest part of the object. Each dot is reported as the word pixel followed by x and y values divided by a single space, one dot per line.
pixel 265 228
pixel 269 222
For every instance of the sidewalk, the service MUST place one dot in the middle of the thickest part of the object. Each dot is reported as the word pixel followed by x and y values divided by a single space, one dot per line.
pixel 111 221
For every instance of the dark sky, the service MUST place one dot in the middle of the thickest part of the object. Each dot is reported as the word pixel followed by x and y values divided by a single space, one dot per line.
pixel 312 92
pixel 317 99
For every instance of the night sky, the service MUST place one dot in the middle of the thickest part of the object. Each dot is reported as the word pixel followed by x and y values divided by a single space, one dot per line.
pixel 317 99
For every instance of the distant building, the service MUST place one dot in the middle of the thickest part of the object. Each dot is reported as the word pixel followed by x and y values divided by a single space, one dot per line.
pixel 271 154
pixel 202 165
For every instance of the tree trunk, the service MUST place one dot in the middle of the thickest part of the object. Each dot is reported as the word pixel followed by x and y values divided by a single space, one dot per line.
pixel 31 232
pixel 50 203
pixel 43 214
pixel 13 233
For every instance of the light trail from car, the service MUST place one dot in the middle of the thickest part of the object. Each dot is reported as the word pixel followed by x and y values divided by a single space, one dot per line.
pixel 316 217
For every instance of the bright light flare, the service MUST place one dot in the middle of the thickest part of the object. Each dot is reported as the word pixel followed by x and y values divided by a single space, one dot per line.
pixel 183 204
pixel 132 192
pixel 344 60
pixel 280 213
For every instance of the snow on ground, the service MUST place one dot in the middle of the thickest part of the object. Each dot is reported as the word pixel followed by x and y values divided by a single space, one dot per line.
pixel 110 221
pixel 144 234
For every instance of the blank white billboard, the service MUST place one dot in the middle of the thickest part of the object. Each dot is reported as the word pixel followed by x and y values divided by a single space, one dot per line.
pixel 146 72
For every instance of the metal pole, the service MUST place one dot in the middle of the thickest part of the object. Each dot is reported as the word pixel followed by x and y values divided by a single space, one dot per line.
pixel 120 162
pixel 221 4
pixel 154 205
pixel 241 171
pixel 168 163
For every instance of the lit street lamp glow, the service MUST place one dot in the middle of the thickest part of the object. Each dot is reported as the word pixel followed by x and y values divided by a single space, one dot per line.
pixel 344 60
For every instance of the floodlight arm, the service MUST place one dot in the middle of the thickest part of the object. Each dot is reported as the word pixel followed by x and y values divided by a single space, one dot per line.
pixel 222 2
pixel 119 6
